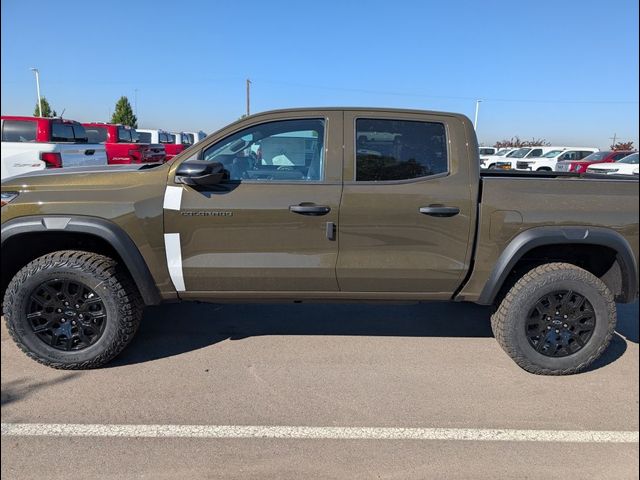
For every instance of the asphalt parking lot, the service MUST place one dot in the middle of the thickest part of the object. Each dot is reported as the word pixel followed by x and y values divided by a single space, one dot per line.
pixel 424 389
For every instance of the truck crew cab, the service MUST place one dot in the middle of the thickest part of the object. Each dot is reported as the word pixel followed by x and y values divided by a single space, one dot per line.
pixel 314 205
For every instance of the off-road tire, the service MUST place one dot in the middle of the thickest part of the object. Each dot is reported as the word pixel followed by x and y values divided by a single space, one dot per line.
pixel 508 322
pixel 104 276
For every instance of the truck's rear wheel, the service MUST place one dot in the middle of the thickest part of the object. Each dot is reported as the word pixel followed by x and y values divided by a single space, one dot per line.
pixel 72 309
pixel 556 320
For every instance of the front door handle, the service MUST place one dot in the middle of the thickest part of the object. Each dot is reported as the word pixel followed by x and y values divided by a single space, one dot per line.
pixel 439 211
pixel 310 209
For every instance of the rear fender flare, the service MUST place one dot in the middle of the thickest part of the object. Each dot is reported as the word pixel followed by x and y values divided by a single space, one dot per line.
pixel 542 236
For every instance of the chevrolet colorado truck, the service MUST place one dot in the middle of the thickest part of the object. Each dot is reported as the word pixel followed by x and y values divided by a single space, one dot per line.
pixel 320 205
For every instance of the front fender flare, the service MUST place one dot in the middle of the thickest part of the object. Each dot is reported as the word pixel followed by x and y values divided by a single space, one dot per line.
pixel 99 227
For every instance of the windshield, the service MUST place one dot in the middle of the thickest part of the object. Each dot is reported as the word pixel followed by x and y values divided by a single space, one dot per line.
pixel 596 156
pixel 632 159
pixel 502 153
pixel 552 153
pixel 520 153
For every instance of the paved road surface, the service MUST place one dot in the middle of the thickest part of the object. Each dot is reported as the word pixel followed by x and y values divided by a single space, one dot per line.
pixel 222 367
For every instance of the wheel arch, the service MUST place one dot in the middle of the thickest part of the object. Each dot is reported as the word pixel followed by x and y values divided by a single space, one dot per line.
pixel 621 276
pixel 103 235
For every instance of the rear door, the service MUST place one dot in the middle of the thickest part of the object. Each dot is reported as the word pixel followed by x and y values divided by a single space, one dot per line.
pixel 271 226
pixel 408 203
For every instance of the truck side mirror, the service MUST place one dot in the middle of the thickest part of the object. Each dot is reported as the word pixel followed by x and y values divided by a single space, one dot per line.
pixel 200 172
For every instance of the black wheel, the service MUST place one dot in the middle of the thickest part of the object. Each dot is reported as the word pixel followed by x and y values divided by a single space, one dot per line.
pixel 556 320
pixel 72 309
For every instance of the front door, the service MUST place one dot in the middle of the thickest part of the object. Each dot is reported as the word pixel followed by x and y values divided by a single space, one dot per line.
pixel 407 208
pixel 270 227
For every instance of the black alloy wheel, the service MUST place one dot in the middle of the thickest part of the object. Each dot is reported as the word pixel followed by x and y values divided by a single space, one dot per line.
pixel 560 323
pixel 66 315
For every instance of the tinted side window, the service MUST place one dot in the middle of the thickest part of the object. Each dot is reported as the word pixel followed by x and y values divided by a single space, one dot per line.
pixel 62 132
pixel 145 137
pixel 572 155
pixel 537 152
pixel 18 131
pixel 124 134
pixel 80 134
pixel 399 149
pixel 96 134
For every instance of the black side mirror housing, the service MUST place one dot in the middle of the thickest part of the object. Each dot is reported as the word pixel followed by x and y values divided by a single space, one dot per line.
pixel 200 172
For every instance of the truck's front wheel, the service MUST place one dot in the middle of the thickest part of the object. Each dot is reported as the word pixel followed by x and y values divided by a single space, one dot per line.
pixel 556 320
pixel 72 309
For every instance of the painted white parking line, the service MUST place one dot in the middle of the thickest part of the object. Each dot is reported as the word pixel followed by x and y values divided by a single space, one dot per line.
pixel 336 433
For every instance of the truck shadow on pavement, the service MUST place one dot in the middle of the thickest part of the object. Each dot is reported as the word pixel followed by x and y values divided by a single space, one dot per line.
pixel 174 329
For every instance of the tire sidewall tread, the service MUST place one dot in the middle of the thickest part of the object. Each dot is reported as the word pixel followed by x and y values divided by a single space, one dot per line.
pixel 508 320
pixel 98 272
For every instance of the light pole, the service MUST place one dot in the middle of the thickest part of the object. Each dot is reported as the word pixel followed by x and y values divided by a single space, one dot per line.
pixel 475 121
pixel 35 70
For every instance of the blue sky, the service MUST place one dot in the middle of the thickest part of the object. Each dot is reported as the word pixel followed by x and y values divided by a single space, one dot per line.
pixel 562 70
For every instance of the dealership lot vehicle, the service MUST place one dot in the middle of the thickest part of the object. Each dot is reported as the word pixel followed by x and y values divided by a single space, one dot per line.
pixel 196 136
pixel 486 152
pixel 580 166
pixel 490 161
pixel 549 160
pixel 123 144
pixel 626 166
pixel 403 195
pixel 35 143
pixel 168 140
pixel 509 163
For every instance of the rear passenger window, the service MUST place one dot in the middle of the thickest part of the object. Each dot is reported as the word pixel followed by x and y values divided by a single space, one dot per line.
pixel 18 131
pixel 124 135
pixel 145 137
pixel 399 149
pixel 96 134
pixel 62 132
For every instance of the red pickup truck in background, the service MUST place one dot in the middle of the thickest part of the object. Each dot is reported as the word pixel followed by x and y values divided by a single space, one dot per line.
pixel 123 144
pixel 167 139
pixel 580 166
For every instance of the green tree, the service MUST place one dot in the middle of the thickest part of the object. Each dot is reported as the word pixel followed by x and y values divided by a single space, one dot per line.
pixel 46 109
pixel 124 113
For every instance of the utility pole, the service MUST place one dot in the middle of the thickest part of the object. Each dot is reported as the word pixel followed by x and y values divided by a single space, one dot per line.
pixel 475 121
pixel 248 97
pixel 35 70
pixel 135 102
pixel 615 135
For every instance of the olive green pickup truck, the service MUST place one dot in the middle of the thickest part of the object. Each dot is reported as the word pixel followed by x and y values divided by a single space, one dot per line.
pixel 320 205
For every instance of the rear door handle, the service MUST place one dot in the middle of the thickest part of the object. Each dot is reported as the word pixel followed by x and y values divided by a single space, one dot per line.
pixel 310 209
pixel 439 211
